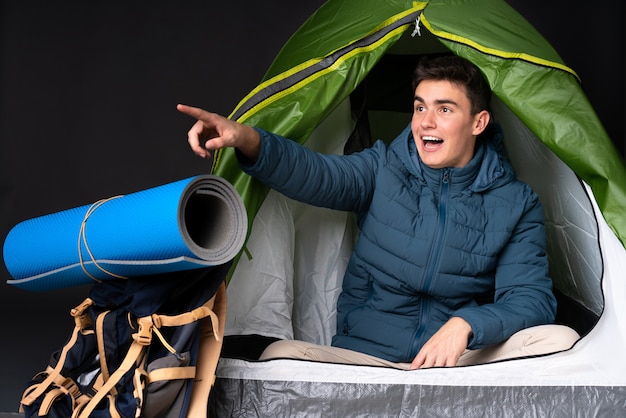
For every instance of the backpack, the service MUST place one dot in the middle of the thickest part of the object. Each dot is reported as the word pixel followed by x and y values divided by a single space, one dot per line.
pixel 143 346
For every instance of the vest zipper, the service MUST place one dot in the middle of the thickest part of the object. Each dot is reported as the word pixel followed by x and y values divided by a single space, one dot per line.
pixel 435 252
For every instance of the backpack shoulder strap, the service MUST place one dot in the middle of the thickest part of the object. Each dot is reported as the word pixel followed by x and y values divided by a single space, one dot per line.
pixel 82 321
pixel 210 347
pixel 140 341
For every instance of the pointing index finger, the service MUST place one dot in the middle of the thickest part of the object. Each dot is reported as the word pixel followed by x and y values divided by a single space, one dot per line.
pixel 194 112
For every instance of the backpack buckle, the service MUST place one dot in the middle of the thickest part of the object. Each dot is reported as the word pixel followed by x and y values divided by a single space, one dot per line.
pixel 80 314
pixel 72 388
pixel 144 333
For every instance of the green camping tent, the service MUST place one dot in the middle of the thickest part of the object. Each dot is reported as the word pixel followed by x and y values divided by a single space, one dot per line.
pixel 355 58
pixel 333 52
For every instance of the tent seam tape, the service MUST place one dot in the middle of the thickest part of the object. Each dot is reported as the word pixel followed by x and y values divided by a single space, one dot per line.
pixel 493 51
pixel 317 74
pixel 418 7
pixel 313 62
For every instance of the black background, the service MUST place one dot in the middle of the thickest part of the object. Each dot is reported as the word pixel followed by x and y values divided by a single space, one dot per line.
pixel 87 110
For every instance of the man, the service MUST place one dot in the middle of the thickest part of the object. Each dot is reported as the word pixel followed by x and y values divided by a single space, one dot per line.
pixel 450 265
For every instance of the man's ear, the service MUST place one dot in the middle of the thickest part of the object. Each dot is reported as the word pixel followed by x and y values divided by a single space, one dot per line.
pixel 481 120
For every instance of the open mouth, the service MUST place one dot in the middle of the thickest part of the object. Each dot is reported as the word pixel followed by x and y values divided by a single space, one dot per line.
pixel 431 142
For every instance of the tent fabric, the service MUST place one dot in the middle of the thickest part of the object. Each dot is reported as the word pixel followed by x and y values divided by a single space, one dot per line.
pixel 517 61
pixel 573 250
pixel 196 222
pixel 287 288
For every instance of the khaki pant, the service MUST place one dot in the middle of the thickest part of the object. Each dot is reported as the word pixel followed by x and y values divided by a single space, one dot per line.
pixel 542 339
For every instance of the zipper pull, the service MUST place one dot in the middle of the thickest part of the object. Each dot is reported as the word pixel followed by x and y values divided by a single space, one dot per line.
pixel 417 31
pixel 446 176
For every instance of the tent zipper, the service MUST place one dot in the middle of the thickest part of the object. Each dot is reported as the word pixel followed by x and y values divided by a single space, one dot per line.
pixel 281 83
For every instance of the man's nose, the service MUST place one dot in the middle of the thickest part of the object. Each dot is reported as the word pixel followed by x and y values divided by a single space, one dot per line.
pixel 428 120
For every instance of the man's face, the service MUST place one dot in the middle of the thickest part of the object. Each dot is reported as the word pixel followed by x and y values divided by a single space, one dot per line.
pixel 443 125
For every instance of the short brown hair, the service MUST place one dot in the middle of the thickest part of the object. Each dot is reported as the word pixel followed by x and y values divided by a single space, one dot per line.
pixel 459 71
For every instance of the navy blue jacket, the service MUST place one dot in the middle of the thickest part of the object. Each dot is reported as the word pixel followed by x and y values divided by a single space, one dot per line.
pixel 433 243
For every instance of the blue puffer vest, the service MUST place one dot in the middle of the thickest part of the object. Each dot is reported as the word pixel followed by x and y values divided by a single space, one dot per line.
pixel 433 243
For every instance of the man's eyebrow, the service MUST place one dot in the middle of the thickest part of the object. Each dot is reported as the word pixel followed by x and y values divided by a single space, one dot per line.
pixel 417 98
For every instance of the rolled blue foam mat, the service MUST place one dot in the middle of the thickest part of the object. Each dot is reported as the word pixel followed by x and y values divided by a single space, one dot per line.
pixel 197 222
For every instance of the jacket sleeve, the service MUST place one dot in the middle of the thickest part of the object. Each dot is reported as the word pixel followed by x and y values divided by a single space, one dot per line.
pixel 332 181
pixel 523 289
